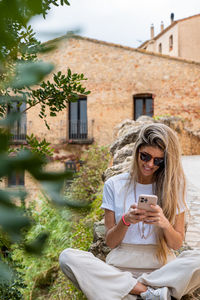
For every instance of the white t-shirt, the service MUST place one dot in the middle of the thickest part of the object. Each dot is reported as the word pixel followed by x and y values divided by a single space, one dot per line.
pixel 115 194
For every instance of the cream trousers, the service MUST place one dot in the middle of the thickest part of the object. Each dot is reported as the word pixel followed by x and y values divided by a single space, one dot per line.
pixel 125 266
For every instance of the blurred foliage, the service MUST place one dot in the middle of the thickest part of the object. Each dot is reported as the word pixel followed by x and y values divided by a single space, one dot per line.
pixel 41 147
pixel 11 289
pixel 16 36
pixel 69 228
pixel 19 71
pixel 88 180
pixel 20 68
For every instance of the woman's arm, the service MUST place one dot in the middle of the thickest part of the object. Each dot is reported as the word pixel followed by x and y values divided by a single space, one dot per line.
pixel 174 235
pixel 116 232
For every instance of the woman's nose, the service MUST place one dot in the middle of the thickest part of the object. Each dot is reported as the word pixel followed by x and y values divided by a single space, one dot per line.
pixel 151 163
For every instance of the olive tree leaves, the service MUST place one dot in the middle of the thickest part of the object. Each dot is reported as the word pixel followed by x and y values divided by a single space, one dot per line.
pixel 20 71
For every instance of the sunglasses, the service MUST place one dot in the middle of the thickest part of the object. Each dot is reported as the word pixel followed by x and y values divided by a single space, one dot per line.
pixel 158 161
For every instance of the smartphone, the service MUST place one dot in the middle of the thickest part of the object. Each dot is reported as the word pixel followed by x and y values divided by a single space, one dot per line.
pixel 145 201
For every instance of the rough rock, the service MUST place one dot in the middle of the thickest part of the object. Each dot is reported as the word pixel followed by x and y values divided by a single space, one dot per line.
pixel 99 247
pixel 173 122
pixel 130 137
pixel 123 153
pixel 117 169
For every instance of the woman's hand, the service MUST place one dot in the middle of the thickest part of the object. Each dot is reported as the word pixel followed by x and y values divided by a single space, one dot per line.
pixel 135 215
pixel 156 217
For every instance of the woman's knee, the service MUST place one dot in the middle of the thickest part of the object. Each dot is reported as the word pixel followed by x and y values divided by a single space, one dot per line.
pixel 192 257
pixel 66 257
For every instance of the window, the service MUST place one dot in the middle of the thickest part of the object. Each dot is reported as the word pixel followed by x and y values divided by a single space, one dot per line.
pixel 19 130
pixel 160 48
pixel 16 179
pixel 78 129
pixel 143 105
pixel 170 42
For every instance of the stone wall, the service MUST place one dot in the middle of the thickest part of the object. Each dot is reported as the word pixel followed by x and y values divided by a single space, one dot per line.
pixel 115 74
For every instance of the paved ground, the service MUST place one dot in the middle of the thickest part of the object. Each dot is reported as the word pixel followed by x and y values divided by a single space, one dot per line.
pixel 191 165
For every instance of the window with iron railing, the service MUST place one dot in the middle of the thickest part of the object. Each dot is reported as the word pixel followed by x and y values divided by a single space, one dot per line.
pixel 18 131
pixel 78 127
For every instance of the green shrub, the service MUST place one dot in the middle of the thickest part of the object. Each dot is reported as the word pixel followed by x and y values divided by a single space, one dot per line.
pixel 10 290
pixel 57 223
pixel 67 227
pixel 40 272
pixel 88 180
pixel 81 238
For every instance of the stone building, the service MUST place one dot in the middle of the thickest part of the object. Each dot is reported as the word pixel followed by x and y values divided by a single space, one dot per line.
pixel 180 39
pixel 125 83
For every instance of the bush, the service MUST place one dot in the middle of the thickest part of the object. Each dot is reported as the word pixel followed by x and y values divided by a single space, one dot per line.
pixel 57 223
pixel 67 227
pixel 10 290
pixel 88 180
pixel 81 238
pixel 65 231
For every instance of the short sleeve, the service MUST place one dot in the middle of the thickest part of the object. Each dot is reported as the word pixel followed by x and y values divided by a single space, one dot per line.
pixel 108 196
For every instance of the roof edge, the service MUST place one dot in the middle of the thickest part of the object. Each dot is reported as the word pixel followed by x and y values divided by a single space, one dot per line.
pixel 67 36
pixel 170 26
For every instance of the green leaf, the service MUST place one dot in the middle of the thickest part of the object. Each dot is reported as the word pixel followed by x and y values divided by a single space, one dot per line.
pixel 52 176
pixel 13 221
pixel 4 144
pixel 6 273
pixel 54 191
pixel 37 245
pixel 10 119
pixel 30 73
pixel 66 2
pixel 69 73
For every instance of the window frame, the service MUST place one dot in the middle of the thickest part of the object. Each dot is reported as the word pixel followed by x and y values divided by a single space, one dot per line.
pixel 171 42
pixel 20 136
pixel 143 97
pixel 78 135
pixel 160 48
pixel 18 177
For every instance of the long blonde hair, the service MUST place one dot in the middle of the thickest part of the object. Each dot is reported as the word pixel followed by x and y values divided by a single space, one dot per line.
pixel 169 180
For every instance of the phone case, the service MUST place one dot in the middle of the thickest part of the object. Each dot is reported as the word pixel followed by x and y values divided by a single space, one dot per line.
pixel 145 201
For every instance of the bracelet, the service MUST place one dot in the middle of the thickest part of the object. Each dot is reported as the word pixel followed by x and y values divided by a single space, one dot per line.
pixel 125 223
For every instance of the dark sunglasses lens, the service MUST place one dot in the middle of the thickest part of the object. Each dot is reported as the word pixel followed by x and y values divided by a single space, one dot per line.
pixel 158 161
pixel 145 157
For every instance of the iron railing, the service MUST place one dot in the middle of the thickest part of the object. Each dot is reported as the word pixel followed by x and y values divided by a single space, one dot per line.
pixel 18 133
pixel 78 130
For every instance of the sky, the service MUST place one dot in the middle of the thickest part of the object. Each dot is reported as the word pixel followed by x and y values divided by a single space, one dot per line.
pixel 125 22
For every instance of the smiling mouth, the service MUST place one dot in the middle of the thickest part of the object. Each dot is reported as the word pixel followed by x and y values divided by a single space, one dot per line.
pixel 147 169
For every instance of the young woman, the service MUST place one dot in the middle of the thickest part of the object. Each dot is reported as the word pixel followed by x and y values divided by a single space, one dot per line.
pixel 142 262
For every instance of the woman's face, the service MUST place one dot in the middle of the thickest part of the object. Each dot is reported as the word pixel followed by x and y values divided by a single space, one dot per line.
pixel 148 168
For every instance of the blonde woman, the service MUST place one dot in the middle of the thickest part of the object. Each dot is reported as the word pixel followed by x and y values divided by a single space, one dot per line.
pixel 142 263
